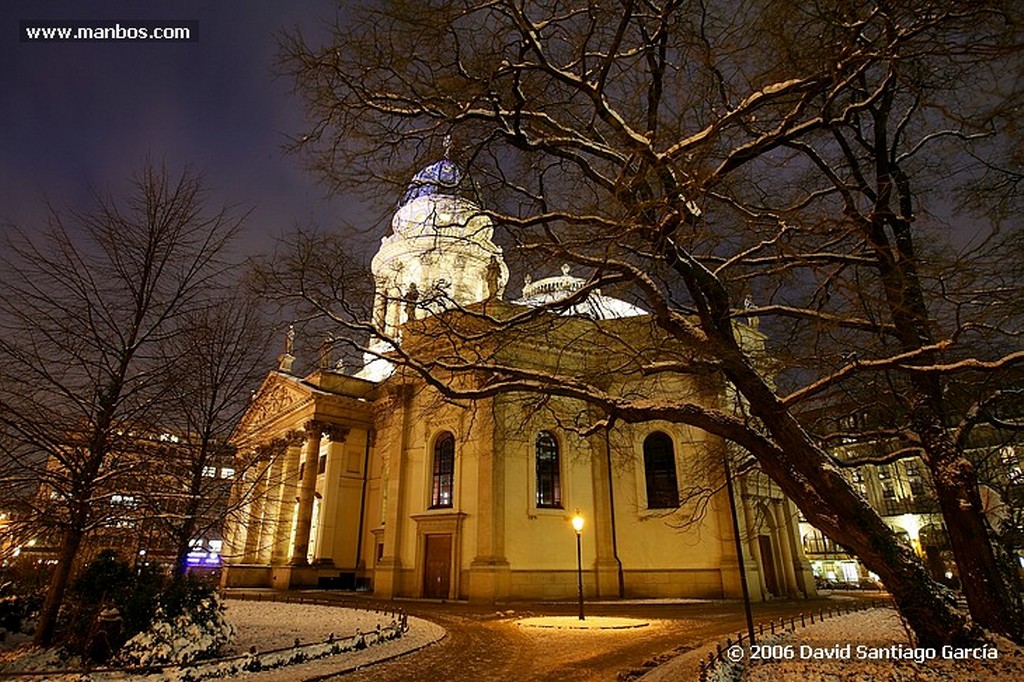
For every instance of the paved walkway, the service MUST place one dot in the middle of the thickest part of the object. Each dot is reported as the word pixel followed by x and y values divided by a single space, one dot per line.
pixel 485 643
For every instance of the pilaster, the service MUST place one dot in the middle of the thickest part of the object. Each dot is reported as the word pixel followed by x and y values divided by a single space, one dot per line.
pixel 386 578
pixel 607 567
pixel 489 572
pixel 760 589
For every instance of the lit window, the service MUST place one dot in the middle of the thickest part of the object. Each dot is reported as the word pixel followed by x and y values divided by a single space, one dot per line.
pixel 914 478
pixel 857 477
pixel 210 472
pixel 444 471
pixel 549 488
pixel 660 472
pixel 227 472
pixel 885 482
pixel 1011 465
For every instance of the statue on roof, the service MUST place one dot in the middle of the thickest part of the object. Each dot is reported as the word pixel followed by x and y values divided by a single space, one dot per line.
pixel 325 351
pixel 493 276
pixel 289 340
pixel 412 295
pixel 285 359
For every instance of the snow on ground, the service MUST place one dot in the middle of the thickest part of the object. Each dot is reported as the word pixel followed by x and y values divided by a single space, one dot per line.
pixel 420 634
pixel 269 625
pixel 273 625
pixel 866 646
pixel 879 650
pixel 877 631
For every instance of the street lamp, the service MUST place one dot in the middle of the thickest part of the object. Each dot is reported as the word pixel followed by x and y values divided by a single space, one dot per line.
pixel 739 547
pixel 577 525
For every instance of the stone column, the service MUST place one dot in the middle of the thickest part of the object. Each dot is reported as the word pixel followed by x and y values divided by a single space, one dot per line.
pixel 272 505
pixel 255 522
pixel 307 488
pixel 234 536
pixel 804 574
pixel 287 490
pixel 782 528
pixel 326 529
pixel 753 546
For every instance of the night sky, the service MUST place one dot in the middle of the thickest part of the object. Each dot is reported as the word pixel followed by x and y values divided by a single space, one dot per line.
pixel 82 116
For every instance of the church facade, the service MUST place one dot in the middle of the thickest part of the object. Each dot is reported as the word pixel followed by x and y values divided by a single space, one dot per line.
pixel 377 481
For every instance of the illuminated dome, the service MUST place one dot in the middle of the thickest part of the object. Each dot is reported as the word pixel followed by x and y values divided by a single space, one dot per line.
pixel 439 254
pixel 438 203
pixel 595 306
pixel 442 177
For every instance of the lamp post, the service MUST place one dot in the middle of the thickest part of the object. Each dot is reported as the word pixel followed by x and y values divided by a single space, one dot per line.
pixel 739 547
pixel 577 525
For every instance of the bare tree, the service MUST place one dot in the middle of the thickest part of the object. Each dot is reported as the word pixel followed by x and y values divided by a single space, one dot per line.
pixel 801 155
pixel 215 360
pixel 84 309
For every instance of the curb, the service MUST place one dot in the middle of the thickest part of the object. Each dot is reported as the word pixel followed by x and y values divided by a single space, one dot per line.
pixel 386 659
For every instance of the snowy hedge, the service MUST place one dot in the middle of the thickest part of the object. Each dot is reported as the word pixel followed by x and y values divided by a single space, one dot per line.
pixel 199 631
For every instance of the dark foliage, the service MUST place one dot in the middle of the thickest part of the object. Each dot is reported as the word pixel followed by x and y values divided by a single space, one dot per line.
pixel 16 608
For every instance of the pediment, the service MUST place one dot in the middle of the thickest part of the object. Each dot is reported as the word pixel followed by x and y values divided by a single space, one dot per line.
pixel 276 396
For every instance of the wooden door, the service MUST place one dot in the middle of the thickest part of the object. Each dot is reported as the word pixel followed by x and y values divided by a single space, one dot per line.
pixel 437 569
pixel 771 581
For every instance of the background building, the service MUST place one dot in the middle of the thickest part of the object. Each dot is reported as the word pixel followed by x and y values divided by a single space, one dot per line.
pixel 140 506
pixel 902 493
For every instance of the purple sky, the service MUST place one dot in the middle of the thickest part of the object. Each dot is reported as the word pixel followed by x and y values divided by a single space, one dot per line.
pixel 75 116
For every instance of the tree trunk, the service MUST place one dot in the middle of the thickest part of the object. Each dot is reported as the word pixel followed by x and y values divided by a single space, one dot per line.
pixel 808 477
pixel 47 625
pixel 184 534
pixel 991 599
pixel 806 474
pixel 180 560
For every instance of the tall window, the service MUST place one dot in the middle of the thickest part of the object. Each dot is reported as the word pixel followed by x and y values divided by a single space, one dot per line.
pixel 1011 464
pixel 660 472
pixel 444 471
pixel 914 478
pixel 857 478
pixel 549 485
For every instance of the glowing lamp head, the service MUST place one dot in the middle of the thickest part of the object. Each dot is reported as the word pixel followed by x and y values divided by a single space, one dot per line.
pixel 577 522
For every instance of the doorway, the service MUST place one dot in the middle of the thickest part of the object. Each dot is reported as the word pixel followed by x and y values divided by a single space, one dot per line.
pixel 771 579
pixel 437 568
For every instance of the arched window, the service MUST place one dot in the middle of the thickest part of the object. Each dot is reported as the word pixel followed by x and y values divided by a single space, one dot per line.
pixel 660 472
pixel 444 471
pixel 549 483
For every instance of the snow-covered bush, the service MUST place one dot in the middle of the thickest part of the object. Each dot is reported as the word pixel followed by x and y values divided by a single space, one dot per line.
pixel 109 602
pixel 15 609
pixel 198 630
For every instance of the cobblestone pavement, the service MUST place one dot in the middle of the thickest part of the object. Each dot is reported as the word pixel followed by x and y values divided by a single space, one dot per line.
pixel 484 643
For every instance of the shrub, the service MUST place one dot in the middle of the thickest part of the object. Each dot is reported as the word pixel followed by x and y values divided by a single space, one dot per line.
pixel 108 603
pixel 189 625
pixel 15 609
